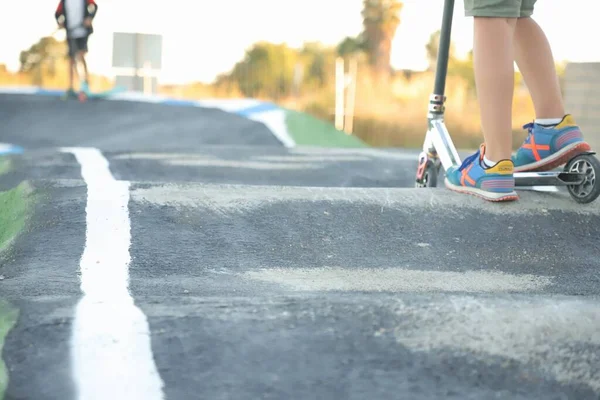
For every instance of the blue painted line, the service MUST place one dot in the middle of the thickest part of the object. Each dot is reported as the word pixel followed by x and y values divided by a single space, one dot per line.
pixel 262 107
pixel 50 92
pixel 244 112
pixel 176 102
pixel 10 149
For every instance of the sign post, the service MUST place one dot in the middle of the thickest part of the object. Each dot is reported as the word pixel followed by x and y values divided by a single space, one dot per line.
pixel 339 93
pixel 137 60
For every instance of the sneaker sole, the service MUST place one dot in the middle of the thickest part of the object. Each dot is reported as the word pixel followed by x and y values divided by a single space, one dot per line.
pixel 489 196
pixel 557 159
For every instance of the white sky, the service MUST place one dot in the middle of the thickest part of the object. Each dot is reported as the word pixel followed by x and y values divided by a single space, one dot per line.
pixel 203 38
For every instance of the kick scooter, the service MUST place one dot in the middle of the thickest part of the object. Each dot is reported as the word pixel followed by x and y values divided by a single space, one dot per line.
pixel 578 176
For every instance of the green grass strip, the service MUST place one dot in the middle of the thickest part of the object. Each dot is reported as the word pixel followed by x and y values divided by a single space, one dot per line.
pixel 14 205
pixel 8 318
pixel 14 208
pixel 307 130
pixel 5 165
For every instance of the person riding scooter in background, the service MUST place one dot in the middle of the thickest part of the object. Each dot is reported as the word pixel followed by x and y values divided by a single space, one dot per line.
pixel 76 17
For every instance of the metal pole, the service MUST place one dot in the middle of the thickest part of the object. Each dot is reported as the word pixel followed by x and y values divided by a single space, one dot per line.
pixel 137 66
pixel 444 49
pixel 349 124
pixel 148 78
pixel 339 93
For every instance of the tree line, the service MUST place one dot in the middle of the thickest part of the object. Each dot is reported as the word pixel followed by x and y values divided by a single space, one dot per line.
pixel 276 70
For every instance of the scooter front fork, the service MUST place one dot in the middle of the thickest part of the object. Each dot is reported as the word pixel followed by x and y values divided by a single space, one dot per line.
pixel 428 164
pixel 437 137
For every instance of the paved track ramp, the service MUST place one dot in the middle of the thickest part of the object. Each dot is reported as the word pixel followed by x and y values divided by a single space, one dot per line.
pixel 150 252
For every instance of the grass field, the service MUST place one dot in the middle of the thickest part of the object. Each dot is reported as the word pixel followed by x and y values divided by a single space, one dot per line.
pixel 14 208
pixel 8 318
pixel 307 130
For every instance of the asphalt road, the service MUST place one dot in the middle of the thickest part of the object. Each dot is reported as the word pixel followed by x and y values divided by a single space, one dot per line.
pixel 44 121
pixel 191 256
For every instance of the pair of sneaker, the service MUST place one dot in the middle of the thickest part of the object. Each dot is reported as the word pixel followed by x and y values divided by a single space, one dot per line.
pixel 546 148
pixel 85 88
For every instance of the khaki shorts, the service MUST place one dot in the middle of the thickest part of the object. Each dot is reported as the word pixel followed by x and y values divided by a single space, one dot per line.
pixel 499 8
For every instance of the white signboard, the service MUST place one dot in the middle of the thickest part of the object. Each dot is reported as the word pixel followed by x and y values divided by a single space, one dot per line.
pixel 137 60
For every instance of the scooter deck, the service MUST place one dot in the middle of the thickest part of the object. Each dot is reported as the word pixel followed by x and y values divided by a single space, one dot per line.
pixel 88 95
pixel 106 93
pixel 551 178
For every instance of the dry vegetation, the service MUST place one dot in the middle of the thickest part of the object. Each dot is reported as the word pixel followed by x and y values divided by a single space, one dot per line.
pixel 397 117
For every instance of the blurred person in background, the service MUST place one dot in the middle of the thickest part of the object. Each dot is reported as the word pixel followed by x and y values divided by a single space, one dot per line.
pixel 76 17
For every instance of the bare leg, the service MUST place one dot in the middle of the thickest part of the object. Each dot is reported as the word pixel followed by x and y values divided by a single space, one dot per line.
pixel 85 69
pixel 534 58
pixel 493 59
pixel 72 72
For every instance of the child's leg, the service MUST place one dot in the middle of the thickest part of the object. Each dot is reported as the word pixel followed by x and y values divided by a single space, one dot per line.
pixel 72 48
pixel 489 172
pixel 534 58
pixel 493 59
pixel 73 73
pixel 83 48
pixel 84 64
pixel 554 138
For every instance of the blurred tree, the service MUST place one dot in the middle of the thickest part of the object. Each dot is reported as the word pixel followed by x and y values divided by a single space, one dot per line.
pixel 318 62
pixel 350 46
pixel 266 70
pixel 45 53
pixel 464 69
pixel 456 67
pixel 381 19
pixel 432 48
pixel 276 70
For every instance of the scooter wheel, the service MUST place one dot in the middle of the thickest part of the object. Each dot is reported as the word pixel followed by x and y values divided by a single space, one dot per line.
pixel 589 190
pixel 429 176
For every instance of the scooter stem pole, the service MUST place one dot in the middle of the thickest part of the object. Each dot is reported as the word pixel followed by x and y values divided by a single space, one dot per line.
pixel 444 48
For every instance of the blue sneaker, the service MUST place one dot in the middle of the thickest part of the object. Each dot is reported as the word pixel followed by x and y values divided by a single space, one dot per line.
pixel 495 183
pixel 84 88
pixel 69 93
pixel 547 148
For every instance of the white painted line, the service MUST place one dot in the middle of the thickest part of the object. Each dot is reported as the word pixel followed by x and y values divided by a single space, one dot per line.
pixel 400 155
pixel 265 166
pixel 311 158
pixel 18 89
pixel 228 105
pixel 551 189
pixel 548 189
pixel 275 121
pixel 6 148
pixel 111 351
pixel 139 97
